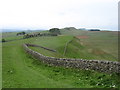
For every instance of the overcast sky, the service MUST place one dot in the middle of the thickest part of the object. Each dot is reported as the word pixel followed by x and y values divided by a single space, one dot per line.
pixel 46 14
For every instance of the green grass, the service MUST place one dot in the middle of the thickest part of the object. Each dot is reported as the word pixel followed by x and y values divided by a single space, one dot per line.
pixel 102 46
pixel 8 36
pixel 22 71
pixel 77 50
pixel 72 32
pixel 19 70
pixel 56 43
pixel 13 38
pixel 102 41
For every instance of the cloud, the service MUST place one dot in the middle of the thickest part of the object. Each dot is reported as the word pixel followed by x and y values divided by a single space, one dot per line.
pixel 58 13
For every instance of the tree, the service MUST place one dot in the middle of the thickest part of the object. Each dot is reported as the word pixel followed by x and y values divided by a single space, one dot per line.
pixel 3 40
pixel 21 33
pixel 94 30
pixel 55 31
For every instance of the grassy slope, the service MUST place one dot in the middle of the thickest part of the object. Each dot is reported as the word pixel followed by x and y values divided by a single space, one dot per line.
pixel 10 36
pixel 93 47
pixel 72 32
pixel 106 41
pixel 98 45
pixel 17 71
pixel 56 43
pixel 77 50
pixel 22 71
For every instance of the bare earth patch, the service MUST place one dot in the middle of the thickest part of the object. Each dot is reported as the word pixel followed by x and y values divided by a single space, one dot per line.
pixel 105 31
pixel 96 51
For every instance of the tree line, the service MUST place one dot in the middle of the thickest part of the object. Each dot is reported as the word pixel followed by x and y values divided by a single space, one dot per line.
pixel 52 32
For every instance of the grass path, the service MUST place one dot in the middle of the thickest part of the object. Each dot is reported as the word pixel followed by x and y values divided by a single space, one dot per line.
pixel 65 48
pixel 18 74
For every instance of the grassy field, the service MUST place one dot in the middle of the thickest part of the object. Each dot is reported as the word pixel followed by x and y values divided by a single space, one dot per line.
pixel 19 70
pixel 97 45
pixel 55 43
pixel 9 36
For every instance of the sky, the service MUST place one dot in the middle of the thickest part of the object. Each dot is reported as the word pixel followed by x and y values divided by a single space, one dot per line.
pixel 46 14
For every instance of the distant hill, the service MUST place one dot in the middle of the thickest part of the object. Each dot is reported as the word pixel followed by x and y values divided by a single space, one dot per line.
pixel 69 28
pixel 71 31
pixel 19 30
pixel 82 29
pixel 10 30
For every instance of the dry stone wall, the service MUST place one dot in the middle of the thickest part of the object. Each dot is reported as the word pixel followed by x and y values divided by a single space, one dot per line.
pixel 33 45
pixel 101 66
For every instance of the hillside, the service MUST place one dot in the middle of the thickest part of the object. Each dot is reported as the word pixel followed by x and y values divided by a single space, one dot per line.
pixel 71 31
pixel 86 45
pixel 21 70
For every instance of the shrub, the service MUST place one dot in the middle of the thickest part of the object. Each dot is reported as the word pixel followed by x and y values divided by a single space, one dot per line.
pixel 21 33
pixel 3 40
